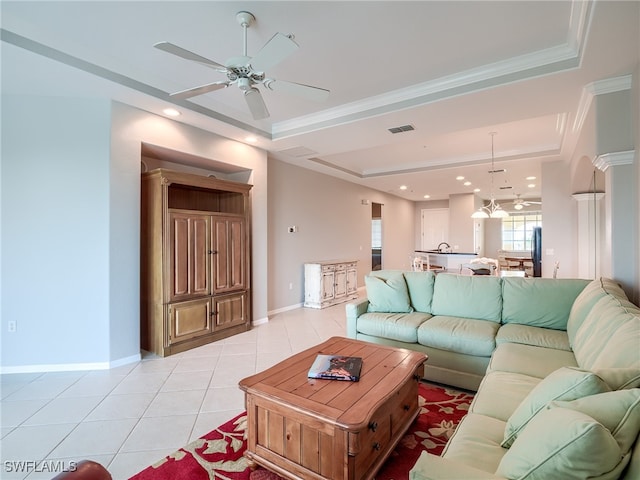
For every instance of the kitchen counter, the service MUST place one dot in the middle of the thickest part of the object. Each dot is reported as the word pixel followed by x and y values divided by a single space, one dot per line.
pixel 448 261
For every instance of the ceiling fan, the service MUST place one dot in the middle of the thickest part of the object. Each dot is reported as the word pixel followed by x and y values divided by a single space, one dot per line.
pixel 518 203
pixel 248 72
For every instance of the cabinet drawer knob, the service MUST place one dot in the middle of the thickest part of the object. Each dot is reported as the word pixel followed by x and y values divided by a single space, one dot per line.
pixel 406 408
pixel 373 426
pixel 376 446
pixel 416 377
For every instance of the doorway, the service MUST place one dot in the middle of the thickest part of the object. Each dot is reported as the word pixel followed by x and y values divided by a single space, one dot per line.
pixel 376 236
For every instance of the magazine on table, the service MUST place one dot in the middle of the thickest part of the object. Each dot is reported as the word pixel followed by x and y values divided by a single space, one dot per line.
pixel 336 367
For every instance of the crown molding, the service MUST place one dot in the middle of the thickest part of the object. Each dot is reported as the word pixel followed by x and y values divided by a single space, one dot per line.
pixel 606 160
pixel 588 196
pixel 601 87
pixel 543 62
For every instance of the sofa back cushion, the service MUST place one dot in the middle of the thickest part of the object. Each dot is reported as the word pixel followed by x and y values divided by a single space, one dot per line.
pixel 467 296
pixel 594 291
pixel 420 286
pixel 539 302
pixel 608 339
pixel 387 294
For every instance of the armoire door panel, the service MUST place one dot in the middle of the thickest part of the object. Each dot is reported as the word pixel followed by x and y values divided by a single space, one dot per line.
pixel 200 257
pixel 189 320
pixel 189 256
pixel 228 239
pixel 179 256
pixel 237 254
pixel 230 310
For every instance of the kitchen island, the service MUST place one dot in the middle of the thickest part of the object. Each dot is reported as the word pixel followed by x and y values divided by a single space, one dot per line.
pixel 450 262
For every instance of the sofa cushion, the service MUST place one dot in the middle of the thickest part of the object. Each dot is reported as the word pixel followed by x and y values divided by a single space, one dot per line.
pixel 510 388
pixel 529 359
pixel 395 326
pixel 476 442
pixel 464 335
pixel 387 295
pixel 420 286
pixel 539 302
pixel 563 384
pixel 584 302
pixel 562 443
pixel 467 296
pixel 619 411
pixel 609 336
pixel 527 335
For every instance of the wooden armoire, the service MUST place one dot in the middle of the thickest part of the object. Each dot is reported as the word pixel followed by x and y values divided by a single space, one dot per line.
pixel 195 260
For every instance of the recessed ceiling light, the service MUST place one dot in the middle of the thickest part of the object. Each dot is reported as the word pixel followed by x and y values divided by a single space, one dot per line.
pixel 427 196
pixel 467 183
pixel 459 177
pixel 403 187
pixel 251 139
pixel 172 112
pixel 531 185
pixel 531 178
pixel 476 190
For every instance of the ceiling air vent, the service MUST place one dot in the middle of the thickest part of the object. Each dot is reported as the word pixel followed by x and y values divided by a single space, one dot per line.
pixel 506 188
pixel 403 128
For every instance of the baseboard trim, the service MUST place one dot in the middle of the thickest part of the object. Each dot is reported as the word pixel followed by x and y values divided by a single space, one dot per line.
pixel 70 367
pixel 286 309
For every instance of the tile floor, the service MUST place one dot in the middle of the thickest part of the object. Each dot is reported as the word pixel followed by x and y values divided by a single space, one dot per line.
pixel 129 417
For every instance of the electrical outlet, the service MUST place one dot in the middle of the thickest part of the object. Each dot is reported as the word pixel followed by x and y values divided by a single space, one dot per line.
pixel 12 326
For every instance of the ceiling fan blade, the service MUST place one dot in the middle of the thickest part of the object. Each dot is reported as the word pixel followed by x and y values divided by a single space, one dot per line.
pixel 192 92
pixel 306 91
pixel 273 52
pixel 187 55
pixel 256 104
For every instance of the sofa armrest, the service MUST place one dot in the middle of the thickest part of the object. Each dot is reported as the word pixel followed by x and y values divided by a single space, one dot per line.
pixel 433 467
pixel 354 310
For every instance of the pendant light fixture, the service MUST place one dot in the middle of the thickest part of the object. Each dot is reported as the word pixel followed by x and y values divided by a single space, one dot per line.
pixel 493 210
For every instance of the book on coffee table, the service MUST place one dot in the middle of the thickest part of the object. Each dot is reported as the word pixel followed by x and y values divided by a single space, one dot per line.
pixel 336 367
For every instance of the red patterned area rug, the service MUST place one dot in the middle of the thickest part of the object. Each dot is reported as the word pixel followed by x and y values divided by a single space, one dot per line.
pixel 218 455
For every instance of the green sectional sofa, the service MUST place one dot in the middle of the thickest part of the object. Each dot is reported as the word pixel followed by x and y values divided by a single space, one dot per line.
pixel 556 365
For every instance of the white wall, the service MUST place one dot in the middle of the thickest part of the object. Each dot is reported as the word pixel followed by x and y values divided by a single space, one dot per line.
pixel 132 127
pixel 71 227
pixel 332 224
pixel 56 241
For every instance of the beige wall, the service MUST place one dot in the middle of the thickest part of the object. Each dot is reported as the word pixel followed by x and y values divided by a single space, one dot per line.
pixel 332 224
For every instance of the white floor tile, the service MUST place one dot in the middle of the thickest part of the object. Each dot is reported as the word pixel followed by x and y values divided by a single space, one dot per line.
pixel 94 438
pixel 16 412
pixel 155 433
pixel 64 410
pixel 132 416
pixel 167 404
pixel 223 398
pixel 118 407
pixel 33 443
pixel 188 380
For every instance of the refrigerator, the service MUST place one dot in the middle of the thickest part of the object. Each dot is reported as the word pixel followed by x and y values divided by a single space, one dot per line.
pixel 536 251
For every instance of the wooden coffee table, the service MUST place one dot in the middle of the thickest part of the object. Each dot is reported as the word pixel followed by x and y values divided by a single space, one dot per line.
pixel 305 428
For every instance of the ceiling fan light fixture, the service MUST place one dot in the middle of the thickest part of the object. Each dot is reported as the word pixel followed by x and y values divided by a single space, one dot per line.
pixel 493 209
pixel 518 206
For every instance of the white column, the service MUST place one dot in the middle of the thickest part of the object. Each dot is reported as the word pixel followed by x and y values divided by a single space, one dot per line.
pixel 590 234
pixel 621 217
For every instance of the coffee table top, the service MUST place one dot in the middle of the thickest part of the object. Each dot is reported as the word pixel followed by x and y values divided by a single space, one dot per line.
pixel 345 403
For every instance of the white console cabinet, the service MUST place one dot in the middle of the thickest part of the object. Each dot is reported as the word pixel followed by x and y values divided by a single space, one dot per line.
pixel 330 282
